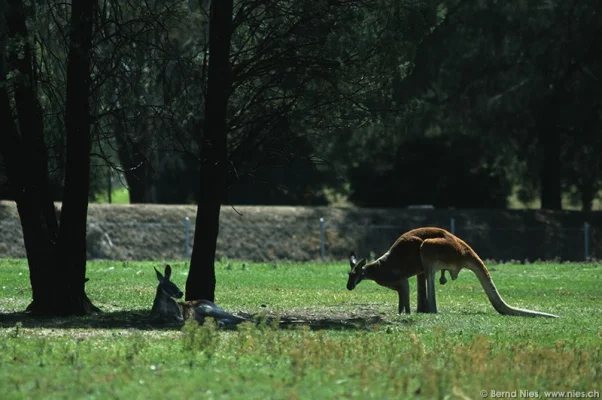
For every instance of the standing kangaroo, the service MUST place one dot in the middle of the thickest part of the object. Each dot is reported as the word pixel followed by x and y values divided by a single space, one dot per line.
pixel 167 309
pixel 422 252
pixel 393 280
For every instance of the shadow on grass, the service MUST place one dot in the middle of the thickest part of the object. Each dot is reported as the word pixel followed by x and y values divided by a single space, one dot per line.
pixel 132 319
pixel 139 319
pixel 327 323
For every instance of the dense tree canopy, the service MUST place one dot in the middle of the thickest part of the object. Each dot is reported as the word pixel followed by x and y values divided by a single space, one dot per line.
pixel 328 96
pixel 454 103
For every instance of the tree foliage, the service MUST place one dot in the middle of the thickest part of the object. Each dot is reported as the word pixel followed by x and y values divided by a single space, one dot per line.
pixel 522 76
pixel 455 103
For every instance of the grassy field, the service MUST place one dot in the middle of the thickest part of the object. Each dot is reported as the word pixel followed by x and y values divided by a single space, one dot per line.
pixel 331 343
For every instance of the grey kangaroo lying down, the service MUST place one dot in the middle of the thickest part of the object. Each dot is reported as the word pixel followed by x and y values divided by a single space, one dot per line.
pixel 167 309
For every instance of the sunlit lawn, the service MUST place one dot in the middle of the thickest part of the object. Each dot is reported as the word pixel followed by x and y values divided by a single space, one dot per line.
pixel 464 349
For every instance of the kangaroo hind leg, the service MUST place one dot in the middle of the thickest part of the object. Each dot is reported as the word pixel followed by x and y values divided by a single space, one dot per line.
pixel 421 289
pixel 437 254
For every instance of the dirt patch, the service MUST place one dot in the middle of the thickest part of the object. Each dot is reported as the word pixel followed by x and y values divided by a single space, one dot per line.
pixel 281 233
pixel 360 316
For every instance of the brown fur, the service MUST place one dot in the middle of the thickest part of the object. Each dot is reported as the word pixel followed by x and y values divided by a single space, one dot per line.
pixel 422 252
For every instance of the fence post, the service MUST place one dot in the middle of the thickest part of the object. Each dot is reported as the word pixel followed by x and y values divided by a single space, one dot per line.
pixel 322 239
pixel 452 224
pixel 586 240
pixel 187 233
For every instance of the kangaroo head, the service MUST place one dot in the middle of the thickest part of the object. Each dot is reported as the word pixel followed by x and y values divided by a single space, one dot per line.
pixel 166 286
pixel 357 272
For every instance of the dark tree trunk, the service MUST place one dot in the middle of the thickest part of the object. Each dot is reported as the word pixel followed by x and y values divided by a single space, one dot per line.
pixel 139 183
pixel 27 161
pixel 72 236
pixel 588 192
pixel 214 154
pixel 549 128
pixel 27 166
pixel 29 111
pixel 39 229
pixel 550 175
pixel 549 135
pixel 135 164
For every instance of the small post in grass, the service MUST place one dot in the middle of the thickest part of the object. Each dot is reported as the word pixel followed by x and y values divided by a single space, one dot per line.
pixel 452 224
pixel 322 238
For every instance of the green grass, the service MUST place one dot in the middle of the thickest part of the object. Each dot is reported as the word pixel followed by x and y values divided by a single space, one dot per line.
pixel 353 344
pixel 118 196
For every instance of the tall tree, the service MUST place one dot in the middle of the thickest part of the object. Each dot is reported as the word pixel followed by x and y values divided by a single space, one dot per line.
pixel 200 283
pixel 24 150
pixel 57 275
pixel 72 236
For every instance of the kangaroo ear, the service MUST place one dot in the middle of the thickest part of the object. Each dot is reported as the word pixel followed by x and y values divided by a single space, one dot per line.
pixel 361 263
pixel 159 276
pixel 352 259
pixel 167 271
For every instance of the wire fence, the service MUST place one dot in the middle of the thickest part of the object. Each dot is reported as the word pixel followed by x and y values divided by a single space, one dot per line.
pixel 315 240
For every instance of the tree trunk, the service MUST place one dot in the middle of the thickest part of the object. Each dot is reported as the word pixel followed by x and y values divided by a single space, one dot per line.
pixel 135 164
pixel 51 274
pixel 549 135
pixel 214 154
pixel 39 229
pixel 27 162
pixel 72 236
pixel 588 191
pixel 29 112
pixel 550 174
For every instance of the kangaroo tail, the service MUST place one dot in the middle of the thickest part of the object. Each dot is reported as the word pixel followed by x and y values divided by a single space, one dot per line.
pixel 209 309
pixel 478 267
